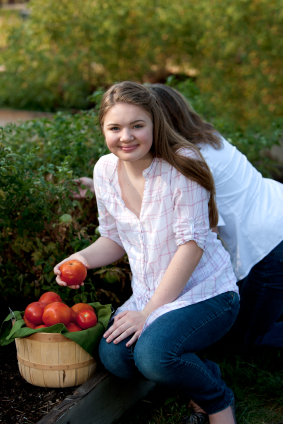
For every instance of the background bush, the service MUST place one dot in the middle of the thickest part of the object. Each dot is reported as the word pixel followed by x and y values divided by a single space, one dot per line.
pixel 40 223
pixel 64 50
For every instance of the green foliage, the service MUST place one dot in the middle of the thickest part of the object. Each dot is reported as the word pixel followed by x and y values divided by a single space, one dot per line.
pixel 40 222
pixel 64 50
pixel 252 140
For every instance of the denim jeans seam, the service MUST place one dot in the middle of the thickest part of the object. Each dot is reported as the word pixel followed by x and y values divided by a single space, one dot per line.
pixel 203 324
pixel 213 382
pixel 199 369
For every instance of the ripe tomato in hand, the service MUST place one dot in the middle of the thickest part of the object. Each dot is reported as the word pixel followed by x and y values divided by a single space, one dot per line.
pixel 50 297
pixel 28 324
pixel 56 313
pixel 34 312
pixel 78 307
pixel 73 272
pixel 86 319
pixel 73 327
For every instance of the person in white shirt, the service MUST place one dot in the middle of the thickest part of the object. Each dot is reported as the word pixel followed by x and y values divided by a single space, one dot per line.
pixel 250 223
pixel 155 198
pixel 252 210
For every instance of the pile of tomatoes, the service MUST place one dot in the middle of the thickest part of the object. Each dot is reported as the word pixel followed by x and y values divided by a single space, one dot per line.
pixel 50 310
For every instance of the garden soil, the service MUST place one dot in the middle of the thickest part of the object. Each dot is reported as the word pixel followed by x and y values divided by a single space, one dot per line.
pixel 21 402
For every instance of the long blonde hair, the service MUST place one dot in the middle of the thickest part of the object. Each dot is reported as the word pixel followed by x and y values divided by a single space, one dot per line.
pixel 166 142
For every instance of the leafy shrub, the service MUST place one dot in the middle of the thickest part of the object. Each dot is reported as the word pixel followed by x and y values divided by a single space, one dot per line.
pixel 40 223
pixel 63 51
pixel 252 140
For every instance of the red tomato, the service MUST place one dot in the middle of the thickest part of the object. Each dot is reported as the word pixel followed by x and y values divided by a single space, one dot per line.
pixel 50 297
pixel 41 326
pixel 78 307
pixel 73 316
pixel 34 312
pixel 73 272
pixel 56 313
pixel 86 319
pixel 73 327
pixel 28 324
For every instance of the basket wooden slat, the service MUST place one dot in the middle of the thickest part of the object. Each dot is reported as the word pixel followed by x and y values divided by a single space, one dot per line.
pixel 52 360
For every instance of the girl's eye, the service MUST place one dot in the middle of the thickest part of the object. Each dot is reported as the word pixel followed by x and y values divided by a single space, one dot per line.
pixel 138 126
pixel 114 128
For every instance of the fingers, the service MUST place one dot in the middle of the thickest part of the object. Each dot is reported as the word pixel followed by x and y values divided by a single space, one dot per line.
pixel 134 338
pixel 57 271
pixel 119 316
pixel 63 284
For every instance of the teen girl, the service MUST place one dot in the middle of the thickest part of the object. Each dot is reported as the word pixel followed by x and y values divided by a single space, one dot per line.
pixel 252 225
pixel 155 197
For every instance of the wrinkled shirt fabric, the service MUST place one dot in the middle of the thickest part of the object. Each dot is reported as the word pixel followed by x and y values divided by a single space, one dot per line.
pixel 174 211
pixel 251 207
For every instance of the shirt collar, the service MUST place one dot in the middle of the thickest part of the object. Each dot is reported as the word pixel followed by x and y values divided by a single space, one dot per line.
pixel 148 172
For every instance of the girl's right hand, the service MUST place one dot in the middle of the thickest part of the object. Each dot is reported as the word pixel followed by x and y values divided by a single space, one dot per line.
pixel 57 271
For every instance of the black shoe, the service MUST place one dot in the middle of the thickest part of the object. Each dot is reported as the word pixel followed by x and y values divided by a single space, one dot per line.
pixel 201 418
pixel 196 418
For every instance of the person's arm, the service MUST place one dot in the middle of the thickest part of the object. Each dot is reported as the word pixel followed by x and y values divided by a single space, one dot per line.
pixel 176 276
pixel 102 252
pixel 173 282
pixel 191 227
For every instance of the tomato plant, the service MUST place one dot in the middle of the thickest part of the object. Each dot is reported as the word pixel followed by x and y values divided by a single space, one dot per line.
pixel 86 319
pixel 56 313
pixel 41 326
pixel 72 327
pixel 50 297
pixel 73 272
pixel 34 312
pixel 78 307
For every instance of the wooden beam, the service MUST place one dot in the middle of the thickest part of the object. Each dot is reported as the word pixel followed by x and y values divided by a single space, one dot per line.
pixel 101 400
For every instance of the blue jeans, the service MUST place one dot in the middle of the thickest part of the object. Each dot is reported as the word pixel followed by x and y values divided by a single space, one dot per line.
pixel 165 352
pixel 261 303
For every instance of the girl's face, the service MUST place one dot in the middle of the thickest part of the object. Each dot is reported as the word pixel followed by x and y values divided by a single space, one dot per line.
pixel 128 131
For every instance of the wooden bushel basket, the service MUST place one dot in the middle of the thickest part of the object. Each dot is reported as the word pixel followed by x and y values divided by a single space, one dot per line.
pixel 52 360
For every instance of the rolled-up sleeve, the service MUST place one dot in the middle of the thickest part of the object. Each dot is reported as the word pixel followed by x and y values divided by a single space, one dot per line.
pixel 107 223
pixel 191 217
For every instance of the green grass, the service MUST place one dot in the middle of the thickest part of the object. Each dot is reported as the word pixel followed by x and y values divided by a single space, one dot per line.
pixel 256 377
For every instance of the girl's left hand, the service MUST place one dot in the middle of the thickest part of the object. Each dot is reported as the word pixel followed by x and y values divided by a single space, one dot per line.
pixel 125 324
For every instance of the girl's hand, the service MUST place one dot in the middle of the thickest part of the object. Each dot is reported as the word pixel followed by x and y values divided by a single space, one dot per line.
pixel 84 181
pixel 57 271
pixel 125 324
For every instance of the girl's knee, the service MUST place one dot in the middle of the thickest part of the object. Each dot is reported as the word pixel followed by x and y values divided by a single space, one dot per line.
pixel 118 359
pixel 151 361
pixel 111 355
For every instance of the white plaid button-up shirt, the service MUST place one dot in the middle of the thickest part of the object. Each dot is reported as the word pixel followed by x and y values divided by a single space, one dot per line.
pixel 174 211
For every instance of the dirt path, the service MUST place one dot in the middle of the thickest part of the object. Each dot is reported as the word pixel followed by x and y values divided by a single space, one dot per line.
pixel 8 116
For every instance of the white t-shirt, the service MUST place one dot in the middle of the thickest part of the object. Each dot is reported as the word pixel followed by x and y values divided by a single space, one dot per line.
pixel 250 205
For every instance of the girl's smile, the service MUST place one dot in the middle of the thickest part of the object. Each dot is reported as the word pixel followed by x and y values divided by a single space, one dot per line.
pixel 128 131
